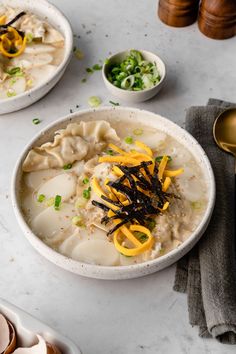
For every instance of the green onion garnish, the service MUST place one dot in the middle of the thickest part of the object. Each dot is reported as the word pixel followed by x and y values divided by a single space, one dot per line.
pixel 141 236
pixel 36 121
pixel 151 224
pixel 11 93
pixel 134 73
pixel 16 71
pixel 106 61
pixel 29 37
pixel 129 140
pixel 78 53
pixel 86 193
pixel 159 158
pixel 89 70
pixel 41 198
pixel 94 101
pixel 97 67
pixel 78 220
pixel 57 202
pixel 84 80
pixel 110 152
pixel 67 167
pixel 85 180
pixel 50 202
pixel 138 131
pixel 114 103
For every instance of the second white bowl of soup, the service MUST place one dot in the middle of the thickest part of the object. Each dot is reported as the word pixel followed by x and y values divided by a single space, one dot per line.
pixel 113 193
pixel 35 49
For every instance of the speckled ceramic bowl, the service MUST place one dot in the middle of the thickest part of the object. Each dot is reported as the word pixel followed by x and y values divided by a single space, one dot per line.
pixel 125 115
pixel 52 15
pixel 134 96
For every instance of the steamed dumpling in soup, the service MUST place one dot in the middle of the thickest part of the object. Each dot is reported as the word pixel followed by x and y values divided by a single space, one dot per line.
pixel 99 193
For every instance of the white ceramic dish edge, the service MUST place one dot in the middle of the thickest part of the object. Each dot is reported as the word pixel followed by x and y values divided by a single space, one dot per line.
pixel 56 18
pixel 28 326
pixel 118 272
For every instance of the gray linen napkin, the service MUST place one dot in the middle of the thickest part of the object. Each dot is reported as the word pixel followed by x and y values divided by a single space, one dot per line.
pixel 208 273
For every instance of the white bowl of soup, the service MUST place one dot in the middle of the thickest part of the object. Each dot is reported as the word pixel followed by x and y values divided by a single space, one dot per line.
pixel 35 49
pixel 113 193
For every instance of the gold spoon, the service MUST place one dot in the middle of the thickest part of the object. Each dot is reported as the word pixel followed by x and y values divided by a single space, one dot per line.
pixel 224 131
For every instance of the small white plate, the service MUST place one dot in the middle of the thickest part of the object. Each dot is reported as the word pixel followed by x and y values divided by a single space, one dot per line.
pixel 52 15
pixel 27 327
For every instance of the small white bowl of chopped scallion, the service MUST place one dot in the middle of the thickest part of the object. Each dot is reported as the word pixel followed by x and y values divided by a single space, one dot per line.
pixel 134 75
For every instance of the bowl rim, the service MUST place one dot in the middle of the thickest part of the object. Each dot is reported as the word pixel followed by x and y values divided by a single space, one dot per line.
pixel 109 271
pixel 131 92
pixel 67 54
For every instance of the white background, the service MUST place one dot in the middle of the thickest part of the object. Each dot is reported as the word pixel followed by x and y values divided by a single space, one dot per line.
pixel 104 317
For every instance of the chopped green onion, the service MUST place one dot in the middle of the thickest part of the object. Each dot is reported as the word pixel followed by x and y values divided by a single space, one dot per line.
pixel 142 237
pixel 78 220
pixel 89 70
pixel 114 103
pixel 50 202
pixel 97 67
pixel 67 167
pixel 12 81
pixel 85 180
pixel 197 205
pixel 138 131
pixel 129 140
pixel 94 101
pixel 29 37
pixel 162 251
pixel 84 80
pixel 57 202
pixel 80 203
pixel 15 71
pixel 11 93
pixel 78 54
pixel 41 198
pixel 110 152
pixel 134 73
pixel 151 224
pixel 36 121
pixel 159 158
pixel 86 193
pixel 106 61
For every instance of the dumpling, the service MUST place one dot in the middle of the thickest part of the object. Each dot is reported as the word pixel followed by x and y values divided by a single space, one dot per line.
pixel 52 36
pixel 71 144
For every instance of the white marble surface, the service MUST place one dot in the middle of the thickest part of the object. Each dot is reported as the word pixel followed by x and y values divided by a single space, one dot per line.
pixel 142 316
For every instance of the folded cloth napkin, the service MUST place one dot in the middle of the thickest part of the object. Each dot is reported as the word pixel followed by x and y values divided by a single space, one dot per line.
pixel 208 273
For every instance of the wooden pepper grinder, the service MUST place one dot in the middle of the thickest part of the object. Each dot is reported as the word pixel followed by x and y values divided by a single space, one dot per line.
pixel 178 13
pixel 217 18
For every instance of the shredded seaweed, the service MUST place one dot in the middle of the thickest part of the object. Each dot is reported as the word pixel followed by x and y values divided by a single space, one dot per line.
pixel 141 205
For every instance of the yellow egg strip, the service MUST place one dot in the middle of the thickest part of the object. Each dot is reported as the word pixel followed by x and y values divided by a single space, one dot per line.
pixel 166 184
pixel 144 147
pixel 3 20
pixel 125 230
pixel 169 173
pixel 118 159
pixel 138 250
pixel 162 167
pixel 117 149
